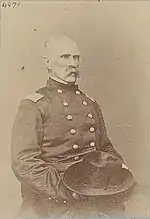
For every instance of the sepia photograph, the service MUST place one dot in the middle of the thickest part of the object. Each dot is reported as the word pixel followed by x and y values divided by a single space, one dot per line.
pixel 75 109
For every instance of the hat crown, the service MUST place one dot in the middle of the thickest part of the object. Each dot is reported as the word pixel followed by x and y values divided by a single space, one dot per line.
pixel 102 159
pixel 104 170
pixel 99 173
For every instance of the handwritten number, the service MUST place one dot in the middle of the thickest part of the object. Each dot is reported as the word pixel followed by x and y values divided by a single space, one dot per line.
pixel 9 4
pixel 4 5
pixel 14 3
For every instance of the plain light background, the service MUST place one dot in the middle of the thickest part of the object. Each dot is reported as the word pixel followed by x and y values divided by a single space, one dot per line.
pixel 114 40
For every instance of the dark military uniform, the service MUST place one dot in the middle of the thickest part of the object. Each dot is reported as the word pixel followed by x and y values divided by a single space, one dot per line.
pixel 54 128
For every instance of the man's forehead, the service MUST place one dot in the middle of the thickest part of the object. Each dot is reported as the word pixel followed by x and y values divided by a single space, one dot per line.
pixel 59 45
pixel 67 48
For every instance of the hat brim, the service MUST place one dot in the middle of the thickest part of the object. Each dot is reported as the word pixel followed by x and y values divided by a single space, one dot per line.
pixel 76 184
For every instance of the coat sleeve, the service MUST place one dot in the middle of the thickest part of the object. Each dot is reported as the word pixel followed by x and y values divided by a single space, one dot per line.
pixel 27 165
pixel 105 143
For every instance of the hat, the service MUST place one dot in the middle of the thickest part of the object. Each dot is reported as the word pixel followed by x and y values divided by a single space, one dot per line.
pixel 99 173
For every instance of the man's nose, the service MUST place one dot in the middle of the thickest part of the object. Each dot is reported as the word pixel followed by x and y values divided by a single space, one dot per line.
pixel 72 62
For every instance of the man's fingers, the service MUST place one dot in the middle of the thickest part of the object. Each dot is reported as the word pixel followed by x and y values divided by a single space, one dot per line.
pixel 124 166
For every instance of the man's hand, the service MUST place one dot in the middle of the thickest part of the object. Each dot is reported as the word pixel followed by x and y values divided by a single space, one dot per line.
pixel 124 166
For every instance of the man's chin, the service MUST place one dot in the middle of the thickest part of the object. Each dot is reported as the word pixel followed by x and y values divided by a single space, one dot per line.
pixel 71 79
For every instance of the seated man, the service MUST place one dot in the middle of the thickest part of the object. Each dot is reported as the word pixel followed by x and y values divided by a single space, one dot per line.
pixel 55 128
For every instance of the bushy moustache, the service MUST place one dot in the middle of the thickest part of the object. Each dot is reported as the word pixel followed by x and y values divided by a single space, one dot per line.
pixel 74 71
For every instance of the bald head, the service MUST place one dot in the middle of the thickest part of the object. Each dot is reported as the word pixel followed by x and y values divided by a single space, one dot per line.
pixel 59 44
pixel 62 56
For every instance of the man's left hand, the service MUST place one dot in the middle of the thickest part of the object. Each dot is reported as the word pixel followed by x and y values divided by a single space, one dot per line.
pixel 124 166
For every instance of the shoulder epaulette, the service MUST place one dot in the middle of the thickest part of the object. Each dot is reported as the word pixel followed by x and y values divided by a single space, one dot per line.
pixel 34 97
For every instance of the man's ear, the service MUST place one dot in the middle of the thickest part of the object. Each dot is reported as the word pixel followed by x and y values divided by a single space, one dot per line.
pixel 47 62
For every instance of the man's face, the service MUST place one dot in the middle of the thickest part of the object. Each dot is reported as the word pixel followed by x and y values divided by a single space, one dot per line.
pixel 65 60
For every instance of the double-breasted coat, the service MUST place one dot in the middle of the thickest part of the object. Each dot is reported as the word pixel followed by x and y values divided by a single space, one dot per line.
pixel 54 128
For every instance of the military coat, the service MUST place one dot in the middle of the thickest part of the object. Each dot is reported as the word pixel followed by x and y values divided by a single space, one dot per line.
pixel 54 128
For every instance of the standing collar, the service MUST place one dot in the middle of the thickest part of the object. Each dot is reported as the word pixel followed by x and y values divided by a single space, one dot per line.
pixel 54 85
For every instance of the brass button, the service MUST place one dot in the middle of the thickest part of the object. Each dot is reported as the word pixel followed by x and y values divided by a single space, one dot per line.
pixel 76 158
pixel 66 103
pixel 78 92
pixel 69 117
pixel 90 115
pixel 84 103
pixel 92 144
pixel 72 131
pixel 49 198
pixel 57 200
pixel 92 129
pixel 65 201
pixel 75 146
pixel 74 195
pixel 59 91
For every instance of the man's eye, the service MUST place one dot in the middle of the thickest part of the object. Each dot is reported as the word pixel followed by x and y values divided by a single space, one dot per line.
pixel 76 57
pixel 65 56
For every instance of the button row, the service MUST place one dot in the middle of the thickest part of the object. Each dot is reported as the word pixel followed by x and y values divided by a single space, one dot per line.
pixel 73 131
pixel 92 144
pixel 60 92
pixel 65 103
pixel 74 195
pixel 56 200
pixel 75 146
pixel 69 117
